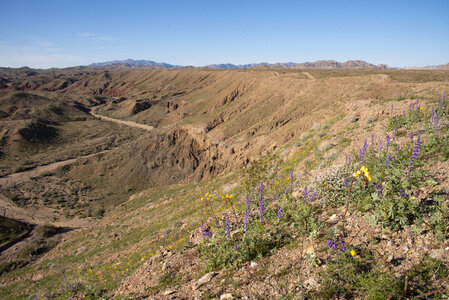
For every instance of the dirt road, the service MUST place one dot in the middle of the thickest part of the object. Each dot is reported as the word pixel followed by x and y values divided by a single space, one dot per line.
pixel 25 175
pixel 127 123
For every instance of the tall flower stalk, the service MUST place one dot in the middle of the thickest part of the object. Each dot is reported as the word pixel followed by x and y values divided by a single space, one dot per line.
pixel 227 225
pixel 362 152
pixel 247 215
pixel 415 153
pixel 261 204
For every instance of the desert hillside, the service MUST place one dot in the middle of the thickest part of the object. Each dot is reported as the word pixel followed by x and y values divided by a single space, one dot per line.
pixel 252 183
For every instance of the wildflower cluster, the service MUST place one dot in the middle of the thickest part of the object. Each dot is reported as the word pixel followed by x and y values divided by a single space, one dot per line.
pixel 363 171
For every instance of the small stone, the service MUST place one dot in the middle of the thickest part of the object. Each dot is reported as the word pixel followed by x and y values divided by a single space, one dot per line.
pixel 81 250
pixel 405 248
pixel 354 119
pixel 253 264
pixel 437 254
pixel 324 146
pixel 333 218
pixel 37 277
pixel 203 280
pixel 309 250
pixel 312 283
pixel 226 296
pixel 371 120
pixel 169 292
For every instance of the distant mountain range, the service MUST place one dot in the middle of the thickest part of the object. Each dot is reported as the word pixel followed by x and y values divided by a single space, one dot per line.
pixel 320 64
pixel 134 63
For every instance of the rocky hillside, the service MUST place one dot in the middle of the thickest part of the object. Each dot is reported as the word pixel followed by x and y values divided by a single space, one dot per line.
pixel 236 188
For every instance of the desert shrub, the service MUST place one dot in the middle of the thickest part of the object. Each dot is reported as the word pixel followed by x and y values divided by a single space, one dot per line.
pixel 222 252
pixel 348 276
pixel 57 109
pixel 45 230
pixel 264 170
pixel 11 229
pixel 425 276
pixel 32 250
pixel 301 215
pixel 96 212
pixel 38 132
pixel 6 267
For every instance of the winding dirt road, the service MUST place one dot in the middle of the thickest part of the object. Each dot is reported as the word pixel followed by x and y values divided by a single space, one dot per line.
pixel 25 175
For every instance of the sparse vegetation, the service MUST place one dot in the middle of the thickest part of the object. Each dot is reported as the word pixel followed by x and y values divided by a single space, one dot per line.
pixel 283 226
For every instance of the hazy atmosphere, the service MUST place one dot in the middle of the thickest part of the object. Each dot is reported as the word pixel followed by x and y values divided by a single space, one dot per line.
pixel 44 34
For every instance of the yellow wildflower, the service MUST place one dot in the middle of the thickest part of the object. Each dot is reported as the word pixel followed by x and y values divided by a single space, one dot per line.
pixel 365 173
pixel 421 108
pixel 353 253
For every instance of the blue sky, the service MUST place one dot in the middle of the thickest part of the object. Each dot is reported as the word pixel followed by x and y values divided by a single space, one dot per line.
pixel 66 33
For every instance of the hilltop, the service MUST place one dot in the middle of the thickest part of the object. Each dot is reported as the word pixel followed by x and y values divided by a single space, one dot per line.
pixel 108 174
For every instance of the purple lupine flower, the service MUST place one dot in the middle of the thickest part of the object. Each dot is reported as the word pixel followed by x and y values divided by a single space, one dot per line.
pixel 415 154
pixel 312 197
pixel 247 215
pixel 387 163
pixel 387 142
pixel 205 232
pixel 305 194
pixel 261 209
pixel 411 136
pixel 379 190
pixel 403 113
pixel 227 224
pixel 413 106
pixel 279 212
pixel 380 146
pixel 435 122
pixel 237 248
pixel 332 244
pixel 397 147
pixel 363 151
pixel 291 179
pixel 392 107
pixel 343 246
pixel 403 194
pixel 433 113
pixel 346 182
pixel 439 104
pixel 372 140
